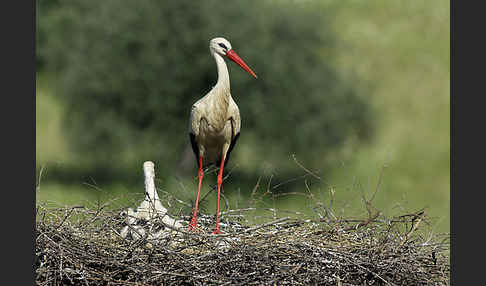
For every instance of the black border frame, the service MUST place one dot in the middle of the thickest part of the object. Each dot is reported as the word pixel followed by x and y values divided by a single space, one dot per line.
pixel 17 26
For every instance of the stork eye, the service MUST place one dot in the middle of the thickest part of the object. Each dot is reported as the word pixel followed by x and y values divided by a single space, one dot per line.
pixel 222 46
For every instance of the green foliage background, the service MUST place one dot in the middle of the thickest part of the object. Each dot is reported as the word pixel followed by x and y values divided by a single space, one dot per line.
pixel 129 73
pixel 347 87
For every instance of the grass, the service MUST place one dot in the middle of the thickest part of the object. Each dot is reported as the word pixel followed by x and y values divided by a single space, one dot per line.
pixel 85 194
pixel 399 51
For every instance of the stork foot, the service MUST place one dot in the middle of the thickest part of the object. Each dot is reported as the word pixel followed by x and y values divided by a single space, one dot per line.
pixel 193 225
pixel 217 231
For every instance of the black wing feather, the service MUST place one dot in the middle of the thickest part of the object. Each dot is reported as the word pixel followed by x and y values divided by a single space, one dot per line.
pixel 195 148
pixel 232 145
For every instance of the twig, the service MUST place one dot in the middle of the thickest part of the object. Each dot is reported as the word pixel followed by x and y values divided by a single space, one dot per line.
pixel 255 188
pixel 67 215
pixel 379 183
pixel 40 177
pixel 256 227
pixel 364 223
pixel 418 219
pixel 305 169
pixel 362 267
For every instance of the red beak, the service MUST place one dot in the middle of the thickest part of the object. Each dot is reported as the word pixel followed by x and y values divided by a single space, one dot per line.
pixel 234 57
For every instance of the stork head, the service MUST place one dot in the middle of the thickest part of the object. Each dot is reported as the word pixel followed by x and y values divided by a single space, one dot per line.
pixel 222 47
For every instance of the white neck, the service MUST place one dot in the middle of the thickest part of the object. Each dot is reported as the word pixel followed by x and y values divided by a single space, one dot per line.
pixel 223 75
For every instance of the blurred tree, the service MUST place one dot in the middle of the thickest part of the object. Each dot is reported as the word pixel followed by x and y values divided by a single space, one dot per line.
pixel 129 72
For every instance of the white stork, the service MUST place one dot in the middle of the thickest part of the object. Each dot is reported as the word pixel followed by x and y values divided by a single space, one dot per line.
pixel 215 121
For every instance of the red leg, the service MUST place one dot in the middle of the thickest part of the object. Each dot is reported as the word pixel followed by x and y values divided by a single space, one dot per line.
pixel 220 181
pixel 200 173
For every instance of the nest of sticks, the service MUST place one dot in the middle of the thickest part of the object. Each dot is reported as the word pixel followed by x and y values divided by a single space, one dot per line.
pixel 83 246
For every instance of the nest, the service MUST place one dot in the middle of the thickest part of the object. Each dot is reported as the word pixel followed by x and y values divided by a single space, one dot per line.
pixel 83 246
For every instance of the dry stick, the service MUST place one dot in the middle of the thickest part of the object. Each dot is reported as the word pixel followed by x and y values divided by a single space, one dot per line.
pixel 176 199
pixel 365 223
pixel 262 209
pixel 188 275
pixel 379 182
pixel 331 201
pixel 229 173
pixel 255 188
pixel 304 168
pixel 237 210
pixel 213 188
pixel 93 186
pixel 268 185
pixel 252 200
pixel 331 195
pixel 414 215
pixel 239 198
pixel 67 215
pixel 273 205
pixel 289 181
pixel 40 177
pixel 360 266
pixel 226 202
pixel 312 197
pixel 421 215
pixel 226 234
pixel 256 227
pixel 368 202
pixel 289 194
pixel 97 213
